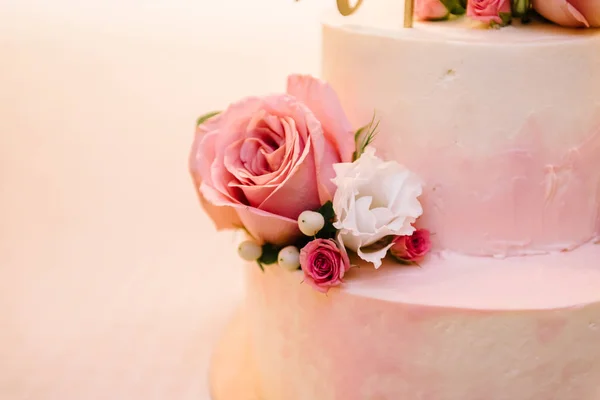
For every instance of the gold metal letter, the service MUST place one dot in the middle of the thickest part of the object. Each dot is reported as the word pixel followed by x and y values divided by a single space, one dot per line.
pixel 346 9
pixel 409 9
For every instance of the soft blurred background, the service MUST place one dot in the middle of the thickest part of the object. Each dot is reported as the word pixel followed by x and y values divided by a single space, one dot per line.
pixel 113 284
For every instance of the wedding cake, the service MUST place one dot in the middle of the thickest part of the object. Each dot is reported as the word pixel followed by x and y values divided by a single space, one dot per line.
pixel 423 222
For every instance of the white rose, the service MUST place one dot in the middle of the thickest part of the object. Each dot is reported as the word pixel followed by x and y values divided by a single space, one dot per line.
pixel 374 199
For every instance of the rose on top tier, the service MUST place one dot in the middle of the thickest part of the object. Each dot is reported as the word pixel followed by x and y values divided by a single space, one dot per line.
pixel 571 13
pixel 264 160
pixel 489 11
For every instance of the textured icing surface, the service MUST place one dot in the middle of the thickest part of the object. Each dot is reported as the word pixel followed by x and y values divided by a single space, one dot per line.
pixel 516 283
pixel 428 334
pixel 504 128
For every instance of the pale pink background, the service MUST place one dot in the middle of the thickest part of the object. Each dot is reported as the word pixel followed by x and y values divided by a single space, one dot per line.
pixel 113 284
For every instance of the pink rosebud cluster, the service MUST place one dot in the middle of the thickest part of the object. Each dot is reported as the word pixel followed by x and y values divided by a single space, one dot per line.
pixel 493 12
pixel 324 263
pixel 411 248
pixel 569 13
pixel 490 11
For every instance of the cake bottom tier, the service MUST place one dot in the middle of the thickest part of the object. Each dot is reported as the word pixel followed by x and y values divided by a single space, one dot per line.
pixel 459 328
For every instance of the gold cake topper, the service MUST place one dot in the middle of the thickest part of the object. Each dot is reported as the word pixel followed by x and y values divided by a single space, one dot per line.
pixel 345 8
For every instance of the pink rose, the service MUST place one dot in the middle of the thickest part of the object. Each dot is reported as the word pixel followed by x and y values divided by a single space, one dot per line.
pixel 264 160
pixel 324 263
pixel 411 248
pixel 571 13
pixel 430 10
pixel 488 11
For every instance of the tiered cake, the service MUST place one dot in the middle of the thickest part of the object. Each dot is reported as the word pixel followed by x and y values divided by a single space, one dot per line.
pixel 503 127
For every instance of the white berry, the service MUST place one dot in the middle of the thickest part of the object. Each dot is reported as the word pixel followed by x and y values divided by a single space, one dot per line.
pixel 249 250
pixel 310 222
pixel 289 258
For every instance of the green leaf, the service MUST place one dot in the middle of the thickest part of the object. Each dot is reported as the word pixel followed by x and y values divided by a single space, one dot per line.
pixel 326 210
pixel 328 231
pixel 364 137
pixel 269 254
pixel 456 7
pixel 202 119
pixel 453 6
pixel 458 10
pixel 506 18
pixel 358 133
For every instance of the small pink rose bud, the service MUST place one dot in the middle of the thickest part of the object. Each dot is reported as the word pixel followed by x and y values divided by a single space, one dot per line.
pixel 431 10
pixel 324 263
pixel 411 248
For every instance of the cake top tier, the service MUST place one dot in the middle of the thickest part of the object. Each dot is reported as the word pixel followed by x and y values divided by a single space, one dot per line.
pixel 505 134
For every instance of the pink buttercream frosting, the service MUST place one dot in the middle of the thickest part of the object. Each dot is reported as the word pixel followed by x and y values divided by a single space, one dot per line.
pixel 459 328
pixel 503 128
pixel 525 198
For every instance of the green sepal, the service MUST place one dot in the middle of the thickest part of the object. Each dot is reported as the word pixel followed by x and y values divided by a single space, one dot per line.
pixel 203 118
pixel 454 7
pixel 520 8
pixel 364 137
pixel 458 10
pixel 328 231
pixel 506 18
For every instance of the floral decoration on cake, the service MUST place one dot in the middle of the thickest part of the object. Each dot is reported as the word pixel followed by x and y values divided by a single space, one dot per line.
pixel 498 13
pixel 289 170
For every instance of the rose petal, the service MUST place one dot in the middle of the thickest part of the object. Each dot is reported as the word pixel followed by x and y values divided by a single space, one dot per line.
pixel 590 9
pixel 299 180
pixel 199 166
pixel 325 173
pixel 365 220
pixel 322 100
pixel 430 10
pixel 223 217
pixel 561 12
pixel 374 257
pixel 267 227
